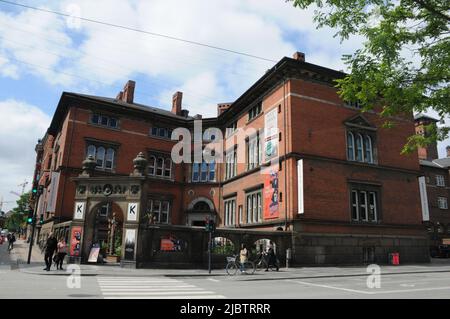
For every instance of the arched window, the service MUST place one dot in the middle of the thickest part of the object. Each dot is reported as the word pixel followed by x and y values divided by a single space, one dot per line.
pixel 159 166
pixel 204 172
pixel 350 146
pixel 151 165
pixel 109 162
pixel 167 167
pixel 359 148
pixel 91 150
pixel 195 172
pixel 212 171
pixel 100 156
pixel 368 149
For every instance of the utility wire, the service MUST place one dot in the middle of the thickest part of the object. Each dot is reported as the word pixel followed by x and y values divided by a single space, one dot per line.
pixel 139 31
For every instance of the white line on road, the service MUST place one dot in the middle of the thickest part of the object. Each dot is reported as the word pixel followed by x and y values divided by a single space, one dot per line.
pixel 159 293
pixel 330 287
pixel 213 280
pixel 168 297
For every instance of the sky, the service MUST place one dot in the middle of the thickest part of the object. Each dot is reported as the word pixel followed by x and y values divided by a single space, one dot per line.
pixel 43 55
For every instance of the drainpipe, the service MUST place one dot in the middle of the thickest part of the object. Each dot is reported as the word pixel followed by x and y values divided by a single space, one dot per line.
pixel 285 159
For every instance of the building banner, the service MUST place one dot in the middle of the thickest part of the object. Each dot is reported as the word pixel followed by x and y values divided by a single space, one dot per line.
pixel 424 199
pixel 132 211
pixel 75 241
pixel 271 135
pixel 130 242
pixel 271 202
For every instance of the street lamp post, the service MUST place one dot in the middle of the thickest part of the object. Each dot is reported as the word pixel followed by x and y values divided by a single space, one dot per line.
pixel 38 191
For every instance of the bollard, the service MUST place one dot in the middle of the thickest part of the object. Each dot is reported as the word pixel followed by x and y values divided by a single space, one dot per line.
pixel 288 257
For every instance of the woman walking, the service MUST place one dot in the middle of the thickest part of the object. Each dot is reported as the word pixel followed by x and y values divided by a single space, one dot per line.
pixel 62 252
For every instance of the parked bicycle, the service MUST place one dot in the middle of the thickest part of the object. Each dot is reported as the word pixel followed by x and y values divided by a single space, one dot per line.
pixel 233 265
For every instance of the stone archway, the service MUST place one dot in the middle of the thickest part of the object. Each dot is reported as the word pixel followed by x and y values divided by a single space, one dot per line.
pixel 104 226
pixel 198 210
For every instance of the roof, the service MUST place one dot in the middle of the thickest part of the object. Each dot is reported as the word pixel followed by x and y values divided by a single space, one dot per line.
pixel 443 162
pixel 423 116
pixel 430 164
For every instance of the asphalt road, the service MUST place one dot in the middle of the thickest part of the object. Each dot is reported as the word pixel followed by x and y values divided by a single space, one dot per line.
pixel 16 284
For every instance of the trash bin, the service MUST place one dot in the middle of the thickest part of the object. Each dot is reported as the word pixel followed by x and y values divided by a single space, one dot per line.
pixel 394 259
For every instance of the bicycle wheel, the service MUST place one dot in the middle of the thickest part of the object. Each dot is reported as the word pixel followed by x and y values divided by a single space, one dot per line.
pixel 249 267
pixel 231 268
pixel 261 265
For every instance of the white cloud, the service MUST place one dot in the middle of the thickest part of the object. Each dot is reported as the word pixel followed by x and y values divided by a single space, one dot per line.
pixel 22 125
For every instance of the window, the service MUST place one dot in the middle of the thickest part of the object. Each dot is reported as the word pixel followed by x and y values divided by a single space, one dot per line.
pixel 353 104
pixel 350 146
pixel 104 120
pixel 160 166
pixel 254 152
pixel 360 147
pixel 440 181
pixel 255 111
pixel 161 132
pixel 442 202
pixel 231 164
pixel 230 212
pixel 364 205
pixel 104 157
pixel 159 211
pixel 204 172
pixel 231 129
pixel 254 207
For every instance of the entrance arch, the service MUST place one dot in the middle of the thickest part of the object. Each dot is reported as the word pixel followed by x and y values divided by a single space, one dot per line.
pixel 104 229
pixel 198 210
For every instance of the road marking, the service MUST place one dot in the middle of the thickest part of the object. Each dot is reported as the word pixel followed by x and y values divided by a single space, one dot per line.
pixel 330 287
pixel 412 290
pixel 159 288
pixel 213 280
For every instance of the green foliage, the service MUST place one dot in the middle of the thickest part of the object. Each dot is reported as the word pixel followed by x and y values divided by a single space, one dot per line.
pixel 19 214
pixel 404 64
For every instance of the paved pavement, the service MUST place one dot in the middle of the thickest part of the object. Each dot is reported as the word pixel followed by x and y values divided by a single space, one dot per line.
pixel 19 280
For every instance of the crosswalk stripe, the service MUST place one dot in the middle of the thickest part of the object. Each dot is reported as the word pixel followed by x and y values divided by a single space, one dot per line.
pixel 155 288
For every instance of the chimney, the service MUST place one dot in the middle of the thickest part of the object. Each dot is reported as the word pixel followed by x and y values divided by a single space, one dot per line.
pixel 299 56
pixel 184 113
pixel 127 95
pixel 429 152
pixel 222 107
pixel 448 150
pixel 197 117
pixel 177 102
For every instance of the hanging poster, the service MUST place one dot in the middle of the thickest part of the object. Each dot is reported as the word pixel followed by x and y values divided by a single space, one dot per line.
pixel 130 239
pixel 271 201
pixel 271 135
pixel 132 211
pixel 93 255
pixel 75 241
pixel 171 243
pixel 79 210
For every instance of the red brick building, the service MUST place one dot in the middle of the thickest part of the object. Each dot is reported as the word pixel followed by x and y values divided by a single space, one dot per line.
pixel 299 162
pixel 436 182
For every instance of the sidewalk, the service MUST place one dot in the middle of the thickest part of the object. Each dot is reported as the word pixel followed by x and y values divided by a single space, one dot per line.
pixel 20 254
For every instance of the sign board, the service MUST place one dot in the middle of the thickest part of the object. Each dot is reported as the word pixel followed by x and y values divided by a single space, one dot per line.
pixel 271 201
pixel 79 210
pixel 132 211
pixel 271 135
pixel 93 255
pixel 424 198
pixel 75 241
pixel 130 240
pixel 300 197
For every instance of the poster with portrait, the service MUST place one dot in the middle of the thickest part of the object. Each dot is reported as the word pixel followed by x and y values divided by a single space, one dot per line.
pixel 271 135
pixel 75 241
pixel 130 240
pixel 171 243
pixel 271 200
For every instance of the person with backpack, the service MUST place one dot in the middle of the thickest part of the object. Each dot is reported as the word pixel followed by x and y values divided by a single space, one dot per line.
pixel 50 248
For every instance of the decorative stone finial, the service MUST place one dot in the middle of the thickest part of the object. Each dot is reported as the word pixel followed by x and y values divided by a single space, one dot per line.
pixel 140 164
pixel 89 165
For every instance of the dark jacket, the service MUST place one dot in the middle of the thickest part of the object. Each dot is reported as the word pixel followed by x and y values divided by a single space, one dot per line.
pixel 51 245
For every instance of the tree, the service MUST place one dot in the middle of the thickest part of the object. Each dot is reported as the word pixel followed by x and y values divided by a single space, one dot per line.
pixel 18 217
pixel 404 63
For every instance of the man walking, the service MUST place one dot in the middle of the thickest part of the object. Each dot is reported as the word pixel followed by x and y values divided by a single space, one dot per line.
pixel 11 240
pixel 50 248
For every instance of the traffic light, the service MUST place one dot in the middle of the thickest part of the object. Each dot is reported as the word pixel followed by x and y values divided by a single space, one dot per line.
pixel 41 219
pixel 30 215
pixel 40 189
pixel 210 226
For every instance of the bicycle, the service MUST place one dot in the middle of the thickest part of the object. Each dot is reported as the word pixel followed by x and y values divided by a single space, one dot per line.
pixel 262 262
pixel 233 265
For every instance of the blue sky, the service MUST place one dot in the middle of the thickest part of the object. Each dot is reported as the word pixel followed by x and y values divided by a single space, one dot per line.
pixel 42 55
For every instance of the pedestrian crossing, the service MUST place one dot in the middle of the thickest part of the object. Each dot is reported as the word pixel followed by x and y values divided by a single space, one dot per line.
pixel 151 288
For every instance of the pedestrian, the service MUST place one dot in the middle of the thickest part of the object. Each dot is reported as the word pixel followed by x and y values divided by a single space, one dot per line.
pixel 243 257
pixel 271 257
pixel 62 252
pixel 11 240
pixel 50 248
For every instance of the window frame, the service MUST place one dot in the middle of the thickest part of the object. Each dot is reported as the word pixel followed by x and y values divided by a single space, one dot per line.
pixel 372 197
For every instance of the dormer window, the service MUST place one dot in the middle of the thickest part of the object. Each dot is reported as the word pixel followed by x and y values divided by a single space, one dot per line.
pixel 104 120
